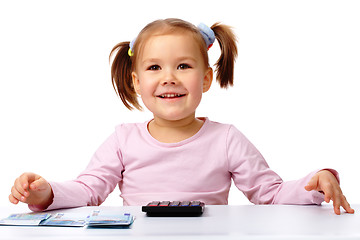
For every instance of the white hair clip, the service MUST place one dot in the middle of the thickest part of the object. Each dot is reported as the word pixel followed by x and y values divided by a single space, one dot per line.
pixel 208 34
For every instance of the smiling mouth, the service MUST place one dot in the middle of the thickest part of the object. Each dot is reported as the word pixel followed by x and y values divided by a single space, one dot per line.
pixel 171 95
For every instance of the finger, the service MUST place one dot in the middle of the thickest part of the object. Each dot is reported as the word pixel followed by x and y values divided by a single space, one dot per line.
pixel 310 187
pixel 24 180
pixel 337 210
pixel 19 187
pixel 336 204
pixel 346 206
pixel 336 198
pixel 27 178
pixel 312 184
pixel 328 189
pixel 39 184
pixel 13 200
pixel 328 195
pixel 17 195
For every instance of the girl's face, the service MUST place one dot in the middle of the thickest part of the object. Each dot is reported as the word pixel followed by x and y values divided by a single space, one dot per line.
pixel 171 76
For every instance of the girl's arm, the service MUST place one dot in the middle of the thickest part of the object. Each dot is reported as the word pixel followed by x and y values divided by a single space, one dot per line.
pixel 95 183
pixel 261 185
pixel 90 188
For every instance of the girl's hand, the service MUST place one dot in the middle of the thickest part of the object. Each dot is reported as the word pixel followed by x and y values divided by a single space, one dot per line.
pixel 324 181
pixel 32 189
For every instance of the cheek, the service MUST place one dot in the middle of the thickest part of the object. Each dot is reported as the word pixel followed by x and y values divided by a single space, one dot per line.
pixel 196 85
pixel 147 92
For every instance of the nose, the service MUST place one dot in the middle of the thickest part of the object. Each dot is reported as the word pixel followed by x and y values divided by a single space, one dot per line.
pixel 169 79
pixel 168 82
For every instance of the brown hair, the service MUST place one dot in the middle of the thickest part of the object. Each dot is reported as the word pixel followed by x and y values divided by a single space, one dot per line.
pixel 123 65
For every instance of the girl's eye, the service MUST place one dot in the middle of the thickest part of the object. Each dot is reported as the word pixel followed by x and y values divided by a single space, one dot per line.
pixel 154 67
pixel 183 66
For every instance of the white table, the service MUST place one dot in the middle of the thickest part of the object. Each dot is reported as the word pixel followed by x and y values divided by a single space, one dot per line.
pixel 217 222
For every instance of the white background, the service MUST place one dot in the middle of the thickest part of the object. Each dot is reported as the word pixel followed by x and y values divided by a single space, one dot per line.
pixel 296 93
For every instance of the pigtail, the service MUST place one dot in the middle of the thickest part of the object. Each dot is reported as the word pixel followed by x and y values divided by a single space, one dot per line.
pixel 225 64
pixel 121 69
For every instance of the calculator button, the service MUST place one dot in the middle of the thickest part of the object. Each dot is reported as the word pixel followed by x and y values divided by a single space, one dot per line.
pixel 195 203
pixel 154 203
pixel 174 203
pixel 164 203
pixel 185 203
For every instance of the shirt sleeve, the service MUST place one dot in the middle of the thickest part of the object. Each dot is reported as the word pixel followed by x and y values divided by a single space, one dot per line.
pixel 252 175
pixel 94 184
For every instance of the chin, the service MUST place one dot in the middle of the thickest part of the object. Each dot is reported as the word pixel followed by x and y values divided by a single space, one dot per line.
pixel 175 116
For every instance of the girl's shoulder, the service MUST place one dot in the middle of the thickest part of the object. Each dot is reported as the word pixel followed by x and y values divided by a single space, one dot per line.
pixel 221 126
pixel 131 125
pixel 131 128
pixel 222 130
pixel 230 130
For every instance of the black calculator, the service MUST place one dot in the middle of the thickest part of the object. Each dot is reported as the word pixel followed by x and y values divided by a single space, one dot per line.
pixel 174 208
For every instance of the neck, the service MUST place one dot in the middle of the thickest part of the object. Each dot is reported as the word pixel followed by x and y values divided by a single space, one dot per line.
pixel 171 131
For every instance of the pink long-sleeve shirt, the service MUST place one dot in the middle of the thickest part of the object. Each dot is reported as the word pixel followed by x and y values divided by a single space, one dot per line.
pixel 198 168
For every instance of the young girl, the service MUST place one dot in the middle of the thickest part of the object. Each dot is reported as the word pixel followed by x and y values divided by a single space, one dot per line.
pixel 175 156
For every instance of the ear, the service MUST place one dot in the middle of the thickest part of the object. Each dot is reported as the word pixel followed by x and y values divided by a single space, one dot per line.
pixel 136 82
pixel 207 79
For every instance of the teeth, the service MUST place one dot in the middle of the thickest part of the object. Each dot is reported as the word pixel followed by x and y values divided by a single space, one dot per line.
pixel 170 95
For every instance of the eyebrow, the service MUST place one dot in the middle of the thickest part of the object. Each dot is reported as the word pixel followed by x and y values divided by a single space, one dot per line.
pixel 179 59
pixel 186 58
pixel 150 60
